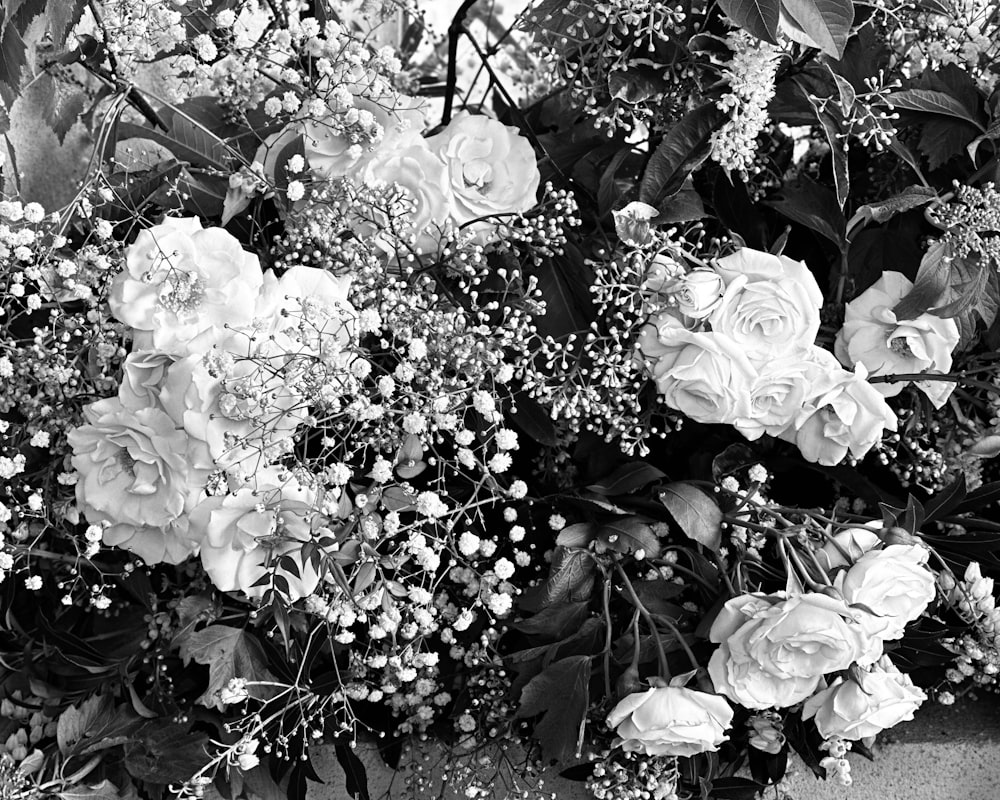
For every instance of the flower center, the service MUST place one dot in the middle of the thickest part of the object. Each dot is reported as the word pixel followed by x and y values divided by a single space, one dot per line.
pixel 478 175
pixel 900 346
pixel 126 462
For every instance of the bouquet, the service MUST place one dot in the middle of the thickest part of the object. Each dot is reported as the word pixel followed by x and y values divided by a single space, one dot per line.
pixel 608 387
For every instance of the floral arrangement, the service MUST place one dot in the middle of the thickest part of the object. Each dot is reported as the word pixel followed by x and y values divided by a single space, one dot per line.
pixel 602 386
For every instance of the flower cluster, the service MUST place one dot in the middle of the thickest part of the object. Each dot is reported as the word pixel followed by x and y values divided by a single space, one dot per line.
pixel 734 344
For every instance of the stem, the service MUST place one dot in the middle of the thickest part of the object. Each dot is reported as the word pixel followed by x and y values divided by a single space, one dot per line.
pixel 606 597
pixel 650 622
pixel 454 32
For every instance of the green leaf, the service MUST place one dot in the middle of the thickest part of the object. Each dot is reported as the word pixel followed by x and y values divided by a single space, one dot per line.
pixel 627 478
pixel 579 534
pixel 826 22
pixel 140 155
pixel 932 101
pixel 930 284
pixel 813 205
pixel 883 210
pixel 629 535
pixel 695 513
pixel 684 148
pixel 759 17
pixel 166 753
pixel 832 130
pixel 75 721
pixel 229 653
pixel 105 790
pixel 555 621
pixel 561 694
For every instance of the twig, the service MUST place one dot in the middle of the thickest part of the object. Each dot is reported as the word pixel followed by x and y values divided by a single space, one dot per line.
pixel 454 32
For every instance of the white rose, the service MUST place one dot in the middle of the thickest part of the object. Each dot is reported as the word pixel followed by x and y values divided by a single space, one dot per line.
pixel 491 168
pixel 698 293
pixel 239 402
pixel 759 266
pixel 883 698
pixel 143 374
pixel 183 285
pixel 705 376
pixel 767 318
pixel 777 394
pixel 872 336
pixel 662 273
pixel 842 414
pixel 423 179
pixel 243 532
pixel 671 721
pixel 775 649
pixel 894 582
pixel 139 475
pixel 345 140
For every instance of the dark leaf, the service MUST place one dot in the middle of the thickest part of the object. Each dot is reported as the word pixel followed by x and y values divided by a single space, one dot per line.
pixel 165 753
pixel 947 500
pixel 980 498
pixel 229 653
pixel 684 148
pixel 814 206
pixel 935 102
pixel 759 17
pixel 564 281
pixel 560 693
pixel 736 789
pixel 942 139
pixel 627 478
pixel 832 130
pixel 555 621
pixel 534 420
pixel 356 783
pixel 571 577
pixel 579 534
pixel 695 513
pixel 685 206
pixel 629 535
pixel 884 210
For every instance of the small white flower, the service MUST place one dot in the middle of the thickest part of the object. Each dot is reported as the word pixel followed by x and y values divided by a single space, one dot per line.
pixel 33 583
pixel 503 569
pixel 468 544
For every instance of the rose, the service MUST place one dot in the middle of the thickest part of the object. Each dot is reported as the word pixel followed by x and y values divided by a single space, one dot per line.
pixel 894 583
pixel 759 266
pixel 871 335
pixel 662 274
pixel 706 376
pixel 358 129
pixel 880 698
pixel 847 546
pixel 240 400
pixel 671 721
pixel 775 649
pixel 309 312
pixel 842 414
pixel 143 374
pixel 182 285
pixel 491 168
pixel 139 476
pixel 242 532
pixel 423 180
pixel 777 393
pixel 698 293
pixel 767 318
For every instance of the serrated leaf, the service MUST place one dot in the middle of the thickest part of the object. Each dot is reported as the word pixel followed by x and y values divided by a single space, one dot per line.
pixel 931 101
pixel 826 22
pixel 681 151
pixel 882 211
pixel 571 577
pixel 627 478
pixel 759 17
pixel 629 535
pixel 75 721
pixel 695 513
pixel 229 653
pixel 166 753
pixel 561 694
